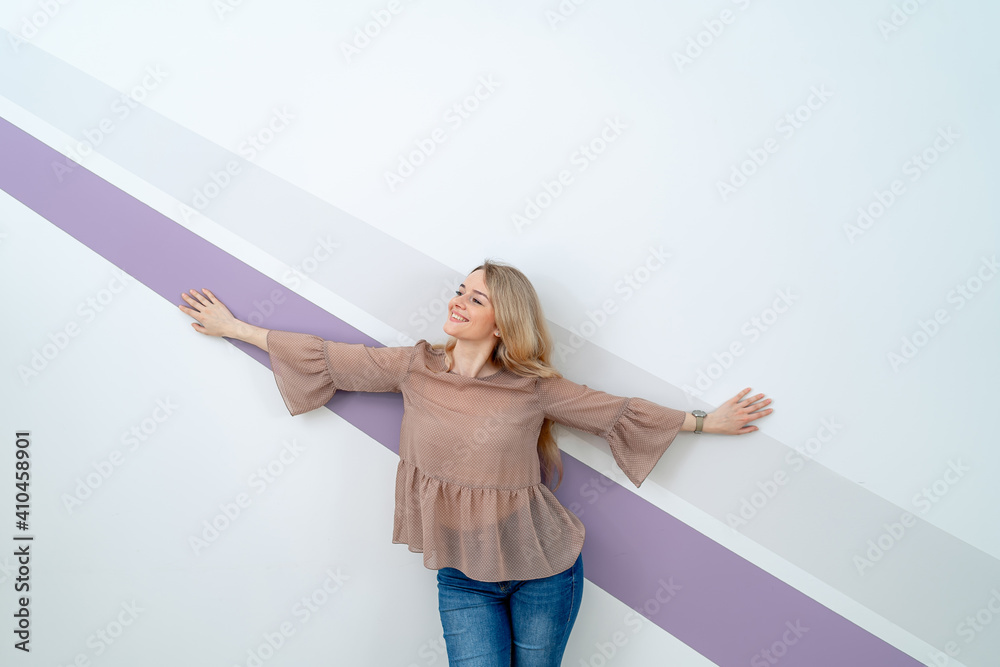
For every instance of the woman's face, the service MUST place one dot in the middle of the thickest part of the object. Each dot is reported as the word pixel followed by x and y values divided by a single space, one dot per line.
pixel 470 311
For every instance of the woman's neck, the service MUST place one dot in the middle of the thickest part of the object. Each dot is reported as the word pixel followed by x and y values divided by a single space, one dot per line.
pixel 472 359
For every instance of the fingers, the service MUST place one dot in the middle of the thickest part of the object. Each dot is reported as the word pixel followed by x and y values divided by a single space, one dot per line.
pixel 201 298
pixel 738 397
pixel 746 409
pixel 193 312
pixel 191 300
pixel 198 308
pixel 207 296
pixel 754 403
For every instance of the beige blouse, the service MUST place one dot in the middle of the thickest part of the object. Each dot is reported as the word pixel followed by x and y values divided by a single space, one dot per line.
pixel 468 485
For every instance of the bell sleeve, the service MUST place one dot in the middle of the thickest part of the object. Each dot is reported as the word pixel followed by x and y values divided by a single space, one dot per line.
pixel 309 370
pixel 637 430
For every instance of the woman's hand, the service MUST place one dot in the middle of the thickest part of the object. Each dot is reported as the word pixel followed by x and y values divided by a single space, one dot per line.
pixel 732 416
pixel 214 319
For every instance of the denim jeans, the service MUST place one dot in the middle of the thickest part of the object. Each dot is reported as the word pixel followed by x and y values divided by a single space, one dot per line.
pixel 485 621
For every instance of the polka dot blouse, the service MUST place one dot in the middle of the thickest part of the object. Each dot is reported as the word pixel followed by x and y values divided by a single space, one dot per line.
pixel 469 493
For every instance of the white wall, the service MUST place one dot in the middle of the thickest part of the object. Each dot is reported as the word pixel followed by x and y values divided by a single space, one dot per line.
pixel 870 102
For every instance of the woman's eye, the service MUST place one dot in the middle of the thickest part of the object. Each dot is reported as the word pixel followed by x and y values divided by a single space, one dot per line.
pixel 459 293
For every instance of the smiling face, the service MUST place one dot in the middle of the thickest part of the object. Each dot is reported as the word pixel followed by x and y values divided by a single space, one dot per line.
pixel 470 311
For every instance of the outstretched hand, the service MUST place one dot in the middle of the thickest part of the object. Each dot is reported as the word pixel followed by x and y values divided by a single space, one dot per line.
pixel 731 417
pixel 214 319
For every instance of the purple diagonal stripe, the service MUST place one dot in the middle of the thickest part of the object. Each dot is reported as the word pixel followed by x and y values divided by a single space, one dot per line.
pixel 721 605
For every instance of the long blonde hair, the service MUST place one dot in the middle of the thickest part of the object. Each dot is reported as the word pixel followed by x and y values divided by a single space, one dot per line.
pixel 524 346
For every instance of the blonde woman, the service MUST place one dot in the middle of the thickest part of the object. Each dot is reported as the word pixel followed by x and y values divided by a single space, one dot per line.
pixel 477 460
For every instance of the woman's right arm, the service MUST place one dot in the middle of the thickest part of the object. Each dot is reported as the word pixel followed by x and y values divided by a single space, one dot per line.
pixel 214 319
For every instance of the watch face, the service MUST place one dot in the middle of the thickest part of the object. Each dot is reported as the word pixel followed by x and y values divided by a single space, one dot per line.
pixel 699 413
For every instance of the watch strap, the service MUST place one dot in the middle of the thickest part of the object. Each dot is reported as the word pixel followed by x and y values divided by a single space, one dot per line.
pixel 699 416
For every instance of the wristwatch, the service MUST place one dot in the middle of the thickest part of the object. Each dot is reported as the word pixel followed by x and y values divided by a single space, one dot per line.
pixel 699 419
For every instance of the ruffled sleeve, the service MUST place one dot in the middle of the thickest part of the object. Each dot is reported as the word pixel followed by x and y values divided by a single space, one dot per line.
pixel 309 370
pixel 638 431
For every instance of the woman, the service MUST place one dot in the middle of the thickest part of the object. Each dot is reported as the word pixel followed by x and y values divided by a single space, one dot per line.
pixel 477 455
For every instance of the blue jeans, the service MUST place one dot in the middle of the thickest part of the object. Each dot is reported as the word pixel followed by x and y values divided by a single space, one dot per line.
pixel 482 620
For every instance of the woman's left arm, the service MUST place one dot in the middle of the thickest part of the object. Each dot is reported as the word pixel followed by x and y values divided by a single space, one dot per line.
pixel 731 417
